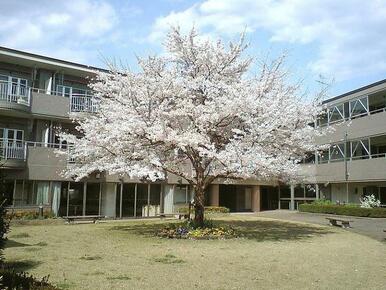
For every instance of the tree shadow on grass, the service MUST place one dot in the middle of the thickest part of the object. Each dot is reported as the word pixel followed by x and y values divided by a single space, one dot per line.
pixel 145 229
pixel 15 244
pixel 260 230
pixel 22 266
pixel 275 230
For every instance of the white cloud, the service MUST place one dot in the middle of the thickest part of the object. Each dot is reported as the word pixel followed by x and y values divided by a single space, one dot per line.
pixel 348 34
pixel 68 29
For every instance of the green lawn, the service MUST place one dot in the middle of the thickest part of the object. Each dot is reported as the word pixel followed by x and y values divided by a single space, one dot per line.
pixel 126 255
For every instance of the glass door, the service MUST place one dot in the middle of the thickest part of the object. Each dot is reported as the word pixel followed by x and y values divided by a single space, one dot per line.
pixel 18 90
pixel 12 143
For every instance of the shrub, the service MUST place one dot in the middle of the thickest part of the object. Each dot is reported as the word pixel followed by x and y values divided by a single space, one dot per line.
pixel 349 209
pixel 29 215
pixel 9 279
pixel 4 227
pixel 370 201
pixel 208 209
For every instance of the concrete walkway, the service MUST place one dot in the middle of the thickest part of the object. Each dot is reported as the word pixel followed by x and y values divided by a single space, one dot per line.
pixel 371 227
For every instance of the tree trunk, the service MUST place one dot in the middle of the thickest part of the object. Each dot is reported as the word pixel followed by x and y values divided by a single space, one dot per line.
pixel 199 197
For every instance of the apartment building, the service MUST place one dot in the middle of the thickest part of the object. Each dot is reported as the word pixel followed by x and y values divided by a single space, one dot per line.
pixel 354 165
pixel 37 96
pixel 39 93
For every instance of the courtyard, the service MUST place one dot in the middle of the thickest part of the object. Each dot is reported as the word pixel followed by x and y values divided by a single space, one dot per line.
pixel 272 254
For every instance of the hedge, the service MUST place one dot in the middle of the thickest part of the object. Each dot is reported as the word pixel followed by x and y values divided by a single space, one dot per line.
pixel 28 215
pixel 208 209
pixel 350 210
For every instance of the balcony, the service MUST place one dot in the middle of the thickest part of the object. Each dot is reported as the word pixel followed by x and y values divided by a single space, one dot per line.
pixel 15 96
pixel 12 154
pixel 55 104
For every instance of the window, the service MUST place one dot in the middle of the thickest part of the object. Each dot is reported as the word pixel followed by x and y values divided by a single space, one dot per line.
pixel 63 91
pixel 324 156
pixel 360 149
pixel 359 107
pixel 310 190
pixel 322 119
pixel 41 192
pixel 309 158
pixel 181 194
pixel 336 114
pixel 337 152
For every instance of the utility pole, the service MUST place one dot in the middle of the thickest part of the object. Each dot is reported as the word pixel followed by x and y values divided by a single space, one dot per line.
pixel 345 165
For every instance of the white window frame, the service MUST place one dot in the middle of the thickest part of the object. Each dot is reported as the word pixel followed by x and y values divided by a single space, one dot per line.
pixel 356 102
pixel 352 150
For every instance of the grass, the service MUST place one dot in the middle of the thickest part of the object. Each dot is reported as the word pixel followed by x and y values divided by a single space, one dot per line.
pixel 126 255
pixel 169 259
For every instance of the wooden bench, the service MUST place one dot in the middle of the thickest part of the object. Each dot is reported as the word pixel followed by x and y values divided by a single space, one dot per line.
pixel 334 222
pixel 180 215
pixel 93 218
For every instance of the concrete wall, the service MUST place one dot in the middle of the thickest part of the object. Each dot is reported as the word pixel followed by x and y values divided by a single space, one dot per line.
pixel 359 170
pixel 50 105
pixel 357 128
pixel 44 164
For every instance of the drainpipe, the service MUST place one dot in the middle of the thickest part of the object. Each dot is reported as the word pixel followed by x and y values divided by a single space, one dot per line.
pixel 346 175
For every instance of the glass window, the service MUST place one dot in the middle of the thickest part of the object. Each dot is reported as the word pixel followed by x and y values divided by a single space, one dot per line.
pixel 360 149
pixel 323 119
pixel 358 107
pixel 336 113
pixel 299 191
pixel 64 91
pixel 324 156
pixel 180 194
pixel 310 190
pixel 41 191
pixel 285 192
pixel 337 152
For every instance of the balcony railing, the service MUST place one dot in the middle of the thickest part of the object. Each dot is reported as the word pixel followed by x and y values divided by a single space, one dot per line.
pixel 12 150
pixel 83 103
pixel 15 93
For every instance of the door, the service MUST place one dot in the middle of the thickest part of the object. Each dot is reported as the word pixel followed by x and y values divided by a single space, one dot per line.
pixel 382 193
pixel 18 89
pixel 12 143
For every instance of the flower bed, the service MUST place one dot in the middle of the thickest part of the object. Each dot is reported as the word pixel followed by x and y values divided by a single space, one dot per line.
pixel 188 231
pixel 349 209
pixel 208 209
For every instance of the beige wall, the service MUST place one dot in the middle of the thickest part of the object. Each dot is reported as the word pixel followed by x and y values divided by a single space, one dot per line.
pixel 359 170
pixel 361 127
pixel 214 195
pixel 50 105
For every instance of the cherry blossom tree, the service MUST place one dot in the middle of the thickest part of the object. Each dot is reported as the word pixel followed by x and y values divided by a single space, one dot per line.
pixel 199 113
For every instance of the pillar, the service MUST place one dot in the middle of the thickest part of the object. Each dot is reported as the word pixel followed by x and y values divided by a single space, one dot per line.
pixel 84 198
pixel 292 204
pixel 214 195
pixel 256 197
pixel 317 191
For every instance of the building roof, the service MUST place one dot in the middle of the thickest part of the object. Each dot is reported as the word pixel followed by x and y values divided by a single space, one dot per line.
pixel 27 58
pixel 355 91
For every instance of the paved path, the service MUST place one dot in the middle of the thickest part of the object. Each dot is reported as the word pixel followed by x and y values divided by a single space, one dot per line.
pixel 371 227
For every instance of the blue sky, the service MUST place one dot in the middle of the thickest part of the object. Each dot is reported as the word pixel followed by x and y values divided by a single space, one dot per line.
pixel 342 40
